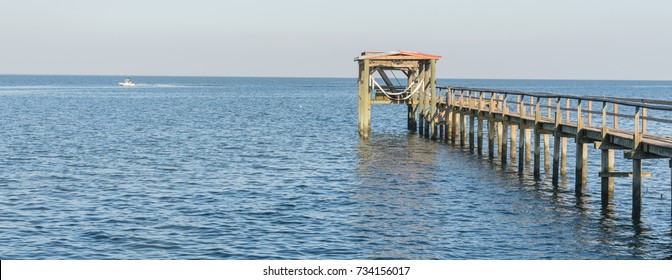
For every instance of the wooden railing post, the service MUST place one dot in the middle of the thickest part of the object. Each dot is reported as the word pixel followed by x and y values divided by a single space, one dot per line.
pixel 537 110
pixel 615 116
pixel 643 120
pixel 518 104
pixel 548 107
pixel 605 128
pixel 590 113
pixel 569 108
pixel 637 136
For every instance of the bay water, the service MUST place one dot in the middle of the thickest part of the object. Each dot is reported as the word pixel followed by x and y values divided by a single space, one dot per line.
pixel 273 168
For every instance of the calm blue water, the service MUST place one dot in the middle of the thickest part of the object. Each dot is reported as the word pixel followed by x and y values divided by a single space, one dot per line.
pixel 272 168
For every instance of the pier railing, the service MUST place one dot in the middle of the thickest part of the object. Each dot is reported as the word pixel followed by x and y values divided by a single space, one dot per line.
pixel 638 126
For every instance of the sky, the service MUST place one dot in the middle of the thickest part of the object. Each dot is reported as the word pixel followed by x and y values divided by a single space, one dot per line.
pixel 514 39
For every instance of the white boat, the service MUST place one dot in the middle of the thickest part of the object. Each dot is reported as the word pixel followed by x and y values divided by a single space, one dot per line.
pixel 127 83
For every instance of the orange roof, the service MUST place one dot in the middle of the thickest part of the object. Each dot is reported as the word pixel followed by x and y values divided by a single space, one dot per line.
pixel 396 55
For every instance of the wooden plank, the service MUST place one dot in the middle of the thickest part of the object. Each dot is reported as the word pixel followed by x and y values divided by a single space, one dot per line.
pixel 638 154
pixel 393 64
pixel 605 145
pixel 611 174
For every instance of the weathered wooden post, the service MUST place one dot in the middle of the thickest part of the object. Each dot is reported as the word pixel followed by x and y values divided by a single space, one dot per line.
pixel 479 133
pixel 636 170
pixel 563 154
pixel 500 145
pixel 547 144
pixel 514 141
pixel 455 125
pixel 505 130
pixel 547 152
pixel 537 139
pixel 521 132
pixel 412 104
pixel 450 95
pixel 556 143
pixel 491 127
pixel 581 153
pixel 514 132
pixel 528 136
pixel 607 166
pixel 448 109
pixel 471 122
pixel 426 93
pixel 463 120
pixel 364 111
pixel 607 181
pixel 434 98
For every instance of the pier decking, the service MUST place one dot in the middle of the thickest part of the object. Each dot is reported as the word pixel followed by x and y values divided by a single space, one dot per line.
pixel 441 113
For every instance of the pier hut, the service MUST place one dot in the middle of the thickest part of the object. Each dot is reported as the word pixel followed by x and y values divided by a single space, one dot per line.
pixel 418 91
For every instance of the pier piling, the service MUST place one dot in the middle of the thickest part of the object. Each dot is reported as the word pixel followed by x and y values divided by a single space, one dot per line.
pixel 607 182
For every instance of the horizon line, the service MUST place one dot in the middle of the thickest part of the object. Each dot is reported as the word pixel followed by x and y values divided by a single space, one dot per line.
pixel 328 77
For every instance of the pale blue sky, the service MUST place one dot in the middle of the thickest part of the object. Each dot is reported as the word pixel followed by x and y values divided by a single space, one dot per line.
pixel 566 39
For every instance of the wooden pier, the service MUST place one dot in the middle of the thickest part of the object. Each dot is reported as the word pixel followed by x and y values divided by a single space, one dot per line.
pixel 459 115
